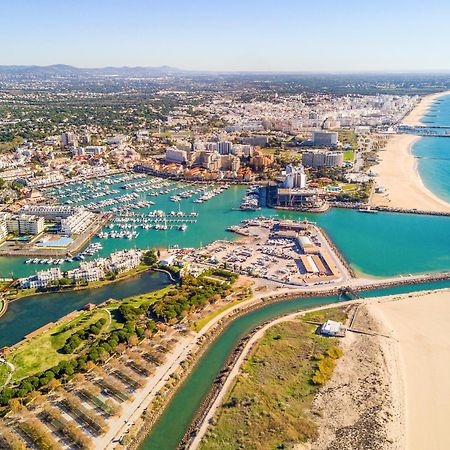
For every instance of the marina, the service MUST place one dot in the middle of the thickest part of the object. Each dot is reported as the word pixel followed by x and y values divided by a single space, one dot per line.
pixel 381 255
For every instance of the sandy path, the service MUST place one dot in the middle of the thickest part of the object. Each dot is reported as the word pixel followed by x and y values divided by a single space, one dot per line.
pixel 398 174
pixel 420 324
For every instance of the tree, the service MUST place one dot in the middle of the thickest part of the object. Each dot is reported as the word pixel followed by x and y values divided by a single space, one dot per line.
pixel 150 258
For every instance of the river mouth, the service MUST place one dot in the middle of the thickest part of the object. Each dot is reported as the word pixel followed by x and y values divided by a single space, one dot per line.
pixel 169 429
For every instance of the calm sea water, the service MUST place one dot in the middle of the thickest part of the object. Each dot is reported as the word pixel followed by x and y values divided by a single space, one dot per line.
pixel 433 153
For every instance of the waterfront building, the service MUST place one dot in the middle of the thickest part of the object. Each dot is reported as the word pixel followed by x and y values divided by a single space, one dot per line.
pixel 294 177
pixel 72 220
pixel 87 271
pixel 22 223
pixel 50 212
pixel 125 260
pixel 42 278
pixel 77 222
pixel 294 193
pixel 322 158
pixel 324 138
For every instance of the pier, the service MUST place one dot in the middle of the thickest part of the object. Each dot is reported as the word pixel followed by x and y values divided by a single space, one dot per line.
pixel 425 131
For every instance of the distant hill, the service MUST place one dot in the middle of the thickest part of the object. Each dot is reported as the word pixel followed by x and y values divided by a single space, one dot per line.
pixel 63 70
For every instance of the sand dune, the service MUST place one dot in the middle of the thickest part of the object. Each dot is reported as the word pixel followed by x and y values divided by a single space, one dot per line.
pixel 419 323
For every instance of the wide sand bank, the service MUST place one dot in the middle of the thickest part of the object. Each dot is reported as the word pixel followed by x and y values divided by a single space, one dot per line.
pixel 419 324
pixel 398 174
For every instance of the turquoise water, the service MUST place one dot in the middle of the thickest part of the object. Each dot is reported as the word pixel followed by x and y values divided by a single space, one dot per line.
pixel 30 313
pixel 170 428
pixel 373 243
pixel 433 153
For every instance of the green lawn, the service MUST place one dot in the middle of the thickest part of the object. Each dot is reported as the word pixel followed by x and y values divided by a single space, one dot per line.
pixel 41 352
pixel 136 301
pixel 349 155
pixel 269 405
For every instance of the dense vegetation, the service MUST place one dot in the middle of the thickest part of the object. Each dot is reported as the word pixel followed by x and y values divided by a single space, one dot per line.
pixel 133 320
pixel 191 295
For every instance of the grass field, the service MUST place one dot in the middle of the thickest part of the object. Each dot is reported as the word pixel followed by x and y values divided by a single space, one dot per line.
pixel 136 301
pixel 4 372
pixel 41 352
pixel 349 155
pixel 268 406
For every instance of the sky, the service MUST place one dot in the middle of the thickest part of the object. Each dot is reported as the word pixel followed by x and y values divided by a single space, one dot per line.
pixel 229 35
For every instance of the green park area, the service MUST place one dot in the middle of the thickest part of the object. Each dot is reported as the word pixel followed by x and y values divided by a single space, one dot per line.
pixel 45 350
pixel 269 405
pixel 89 338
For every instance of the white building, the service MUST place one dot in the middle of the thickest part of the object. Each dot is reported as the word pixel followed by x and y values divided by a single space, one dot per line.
pixel 294 177
pixel 325 138
pixel 77 222
pixel 125 260
pixel 332 328
pixel 22 223
pixel 42 278
pixel 175 155
pixel 73 220
pixel 322 158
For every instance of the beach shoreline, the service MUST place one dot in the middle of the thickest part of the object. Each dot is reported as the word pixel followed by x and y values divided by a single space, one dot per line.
pixel 407 418
pixel 414 117
pixel 417 324
pixel 398 172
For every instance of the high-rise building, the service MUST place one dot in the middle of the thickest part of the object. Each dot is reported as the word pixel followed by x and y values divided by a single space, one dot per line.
pixel 176 155
pixel 224 147
pixel 68 139
pixel 322 158
pixel 294 177
pixel 325 138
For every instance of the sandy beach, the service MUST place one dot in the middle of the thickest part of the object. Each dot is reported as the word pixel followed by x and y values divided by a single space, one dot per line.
pixel 419 326
pixel 414 118
pixel 389 391
pixel 398 174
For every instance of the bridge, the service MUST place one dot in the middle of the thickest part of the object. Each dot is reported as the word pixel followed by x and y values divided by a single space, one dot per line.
pixel 425 130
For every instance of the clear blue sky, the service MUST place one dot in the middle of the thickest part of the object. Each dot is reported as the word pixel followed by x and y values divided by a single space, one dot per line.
pixel 283 35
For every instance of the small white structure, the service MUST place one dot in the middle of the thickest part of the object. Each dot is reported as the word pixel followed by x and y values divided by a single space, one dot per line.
pixel 332 328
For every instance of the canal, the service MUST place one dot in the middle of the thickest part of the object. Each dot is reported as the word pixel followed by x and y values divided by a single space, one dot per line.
pixel 170 428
